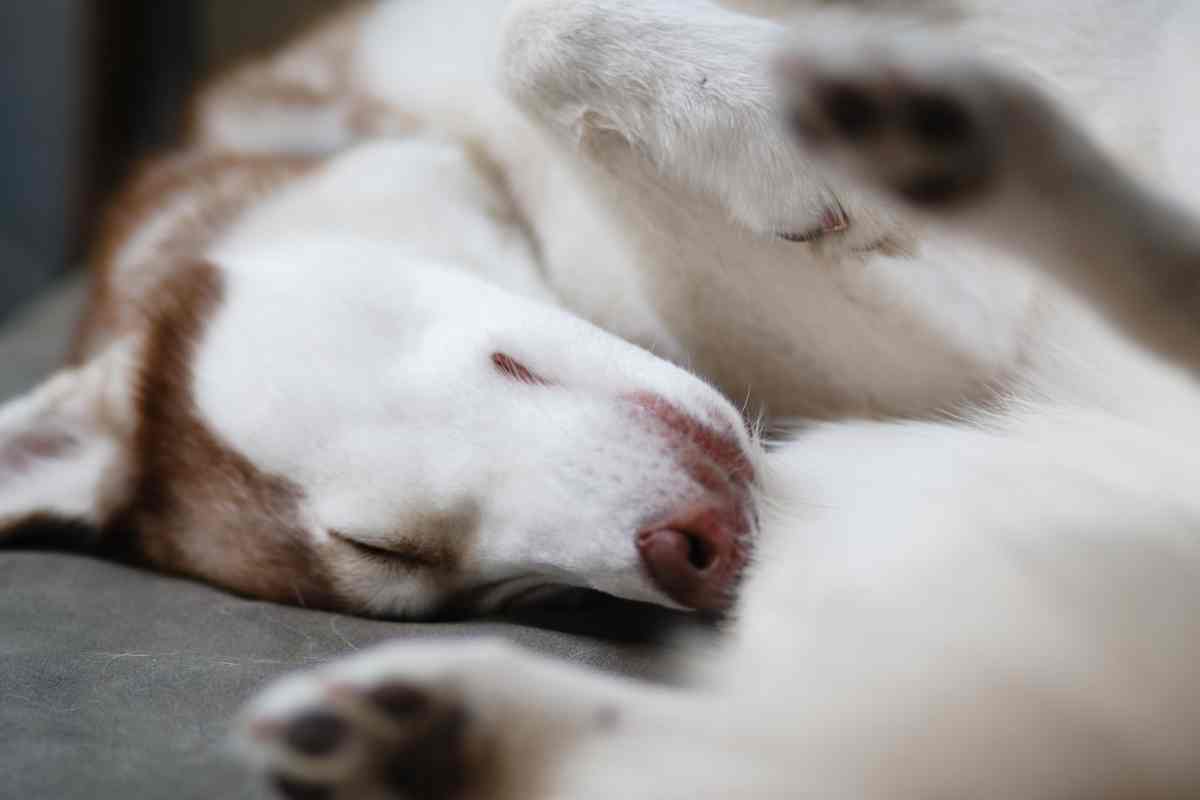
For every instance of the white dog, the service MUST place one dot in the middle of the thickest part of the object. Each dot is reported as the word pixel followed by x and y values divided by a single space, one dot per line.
pixel 342 381
pixel 1001 604
pixel 362 381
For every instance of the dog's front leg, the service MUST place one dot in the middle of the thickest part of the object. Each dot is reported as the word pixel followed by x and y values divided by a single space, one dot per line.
pixel 679 89
pixel 467 720
pixel 977 148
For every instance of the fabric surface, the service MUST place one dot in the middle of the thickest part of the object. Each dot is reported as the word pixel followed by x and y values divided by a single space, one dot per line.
pixel 117 683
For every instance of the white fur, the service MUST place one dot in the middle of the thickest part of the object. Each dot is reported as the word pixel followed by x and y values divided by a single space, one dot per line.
pixel 999 606
pixel 63 447
pixel 375 342
pixel 657 238
pixel 351 355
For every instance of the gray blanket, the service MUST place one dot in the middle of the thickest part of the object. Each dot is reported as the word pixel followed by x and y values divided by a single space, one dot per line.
pixel 116 683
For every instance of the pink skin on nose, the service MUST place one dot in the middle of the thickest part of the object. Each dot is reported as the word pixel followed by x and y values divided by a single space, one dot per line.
pixel 723 449
pixel 696 554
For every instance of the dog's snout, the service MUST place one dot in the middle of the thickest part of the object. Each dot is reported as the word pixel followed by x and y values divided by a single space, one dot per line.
pixel 709 442
pixel 695 555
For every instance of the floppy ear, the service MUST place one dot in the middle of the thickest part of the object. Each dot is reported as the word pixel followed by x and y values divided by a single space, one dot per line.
pixel 65 450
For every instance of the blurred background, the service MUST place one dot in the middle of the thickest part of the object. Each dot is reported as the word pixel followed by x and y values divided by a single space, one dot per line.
pixel 90 86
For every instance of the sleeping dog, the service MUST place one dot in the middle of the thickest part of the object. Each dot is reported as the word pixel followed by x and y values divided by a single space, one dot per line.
pixel 338 351
pixel 384 377
pixel 996 600
pixel 340 377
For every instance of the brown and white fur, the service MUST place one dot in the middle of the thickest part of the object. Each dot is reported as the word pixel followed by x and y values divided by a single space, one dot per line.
pixel 1002 604
pixel 373 388
pixel 338 377
pixel 250 442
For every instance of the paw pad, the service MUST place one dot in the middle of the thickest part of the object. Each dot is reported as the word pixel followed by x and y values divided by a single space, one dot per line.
pixel 398 701
pixel 391 737
pixel 937 119
pixel 912 130
pixel 854 113
pixel 316 733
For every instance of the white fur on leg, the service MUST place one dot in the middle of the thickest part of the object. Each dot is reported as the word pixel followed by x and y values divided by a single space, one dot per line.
pixel 969 144
pixel 686 85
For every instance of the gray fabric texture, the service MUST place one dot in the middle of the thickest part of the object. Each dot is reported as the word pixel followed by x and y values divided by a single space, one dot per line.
pixel 118 684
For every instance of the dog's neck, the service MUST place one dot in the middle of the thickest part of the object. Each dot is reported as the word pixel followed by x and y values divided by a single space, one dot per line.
pixel 172 212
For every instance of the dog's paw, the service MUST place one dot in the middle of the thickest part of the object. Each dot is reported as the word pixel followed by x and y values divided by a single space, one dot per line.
pixel 331 736
pixel 455 721
pixel 923 127
pixel 402 722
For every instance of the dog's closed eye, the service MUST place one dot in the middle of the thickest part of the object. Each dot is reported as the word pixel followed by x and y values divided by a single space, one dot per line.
pixel 385 555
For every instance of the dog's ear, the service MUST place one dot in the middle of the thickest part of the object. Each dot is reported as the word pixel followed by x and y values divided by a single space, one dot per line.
pixel 65 451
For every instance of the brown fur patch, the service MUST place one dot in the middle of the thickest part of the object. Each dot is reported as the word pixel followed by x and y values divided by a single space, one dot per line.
pixel 327 45
pixel 198 507
pixel 199 195
pixel 311 78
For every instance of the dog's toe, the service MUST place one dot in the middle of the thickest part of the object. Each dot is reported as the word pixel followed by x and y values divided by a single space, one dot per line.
pixel 389 739
pixel 916 128
pixel 450 721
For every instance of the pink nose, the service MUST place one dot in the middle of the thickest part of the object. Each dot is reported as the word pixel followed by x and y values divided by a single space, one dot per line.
pixel 696 560
pixel 696 555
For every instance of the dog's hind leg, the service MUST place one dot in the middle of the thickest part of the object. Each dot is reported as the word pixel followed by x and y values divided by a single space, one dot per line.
pixel 972 146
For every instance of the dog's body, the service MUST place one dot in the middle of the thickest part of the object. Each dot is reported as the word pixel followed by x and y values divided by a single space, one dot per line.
pixel 641 230
pixel 654 265
pixel 1000 605
pixel 988 605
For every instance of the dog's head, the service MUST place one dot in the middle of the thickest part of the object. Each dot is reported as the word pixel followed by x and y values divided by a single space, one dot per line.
pixel 337 426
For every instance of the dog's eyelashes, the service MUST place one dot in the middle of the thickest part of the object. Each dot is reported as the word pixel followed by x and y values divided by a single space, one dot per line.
pixel 513 369
pixel 380 554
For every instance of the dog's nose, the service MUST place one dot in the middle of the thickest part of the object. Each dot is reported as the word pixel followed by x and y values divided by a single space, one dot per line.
pixel 696 558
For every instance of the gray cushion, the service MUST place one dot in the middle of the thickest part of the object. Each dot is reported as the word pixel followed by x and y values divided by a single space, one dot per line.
pixel 34 341
pixel 116 683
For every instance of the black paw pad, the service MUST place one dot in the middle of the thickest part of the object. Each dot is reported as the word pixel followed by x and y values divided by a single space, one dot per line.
pixel 433 765
pixel 854 113
pixel 937 120
pixel 399 701
pixel 316 733
pixel 934 189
